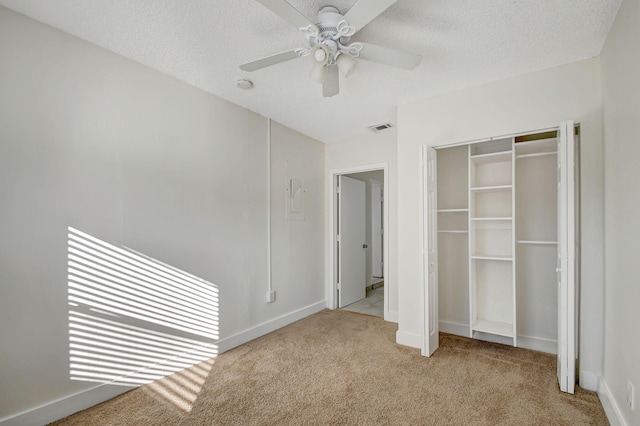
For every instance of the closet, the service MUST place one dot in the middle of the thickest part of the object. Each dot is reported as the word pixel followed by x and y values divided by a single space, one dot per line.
pixel 498 253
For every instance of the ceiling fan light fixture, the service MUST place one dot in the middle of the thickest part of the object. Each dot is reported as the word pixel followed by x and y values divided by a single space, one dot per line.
pixel 320 54
pixel 319 73
pixel 346 64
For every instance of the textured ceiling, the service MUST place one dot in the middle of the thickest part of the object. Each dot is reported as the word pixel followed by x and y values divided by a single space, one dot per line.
pixel 463 43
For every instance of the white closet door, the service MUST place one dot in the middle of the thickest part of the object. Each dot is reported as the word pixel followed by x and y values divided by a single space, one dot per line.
pixel 430 251
pixel 566 259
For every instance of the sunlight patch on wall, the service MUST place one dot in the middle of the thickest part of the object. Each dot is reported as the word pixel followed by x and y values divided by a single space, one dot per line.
pixel 134 320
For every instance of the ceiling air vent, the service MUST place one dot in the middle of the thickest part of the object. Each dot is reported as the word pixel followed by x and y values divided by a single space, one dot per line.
pixel 380 127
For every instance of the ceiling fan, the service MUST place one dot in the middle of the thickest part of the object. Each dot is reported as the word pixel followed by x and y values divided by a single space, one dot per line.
pixel 329 34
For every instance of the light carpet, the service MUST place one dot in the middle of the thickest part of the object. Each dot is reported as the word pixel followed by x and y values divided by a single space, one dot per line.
pixel 338 367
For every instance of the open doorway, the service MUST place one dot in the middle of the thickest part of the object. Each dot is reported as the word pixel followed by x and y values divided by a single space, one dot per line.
pixel 359 242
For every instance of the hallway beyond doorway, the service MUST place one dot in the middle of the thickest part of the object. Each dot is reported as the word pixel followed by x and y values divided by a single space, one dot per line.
pixel 373 304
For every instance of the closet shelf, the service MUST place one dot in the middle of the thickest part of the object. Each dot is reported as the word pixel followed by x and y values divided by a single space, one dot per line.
pixel 494 188
pixel 536 146
pixel 492 157
pixel 447 231
pixel 493 327
pixel 506 258
pixel 453 210
pixel 505 218
pixel 537 154
pixel 532 242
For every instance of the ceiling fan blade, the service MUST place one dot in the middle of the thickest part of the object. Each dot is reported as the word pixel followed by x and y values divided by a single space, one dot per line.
pixel 365 11
pixel 393 57
pixel 271 60
pixel 287 12
pixel 331 86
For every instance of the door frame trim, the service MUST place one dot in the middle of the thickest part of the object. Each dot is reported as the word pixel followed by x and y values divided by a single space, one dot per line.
pixel 331 261
pixel 378 184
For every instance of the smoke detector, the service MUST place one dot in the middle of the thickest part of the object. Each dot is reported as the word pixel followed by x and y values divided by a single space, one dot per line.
pixel 244 84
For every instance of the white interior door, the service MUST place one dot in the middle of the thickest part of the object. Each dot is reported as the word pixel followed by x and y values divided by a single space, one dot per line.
pixel 376 229
pixel 351 241
pixel 566 259
pixel 430 250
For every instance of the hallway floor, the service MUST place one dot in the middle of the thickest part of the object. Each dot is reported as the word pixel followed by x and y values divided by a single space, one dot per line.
pixel 373 304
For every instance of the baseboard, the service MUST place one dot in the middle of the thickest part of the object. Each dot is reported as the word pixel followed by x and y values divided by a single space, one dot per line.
pixel 611 408
pixel 391 316
pixel 266 327
pixel 456 328
pixel 68 405
pixel 538 344
pixel 493 338
pixel 405 338
pixel 526 342
pixel 588 380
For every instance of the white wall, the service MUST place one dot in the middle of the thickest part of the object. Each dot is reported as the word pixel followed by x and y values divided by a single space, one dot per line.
pixel 298 246
pixel 621 95
pixel 365 150
pixel 100 143
pixel 533 101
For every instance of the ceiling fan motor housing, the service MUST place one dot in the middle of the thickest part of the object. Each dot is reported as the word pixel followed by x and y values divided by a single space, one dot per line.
pixel 328 20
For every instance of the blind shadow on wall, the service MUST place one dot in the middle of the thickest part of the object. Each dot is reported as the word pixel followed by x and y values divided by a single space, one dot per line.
pixel 134 320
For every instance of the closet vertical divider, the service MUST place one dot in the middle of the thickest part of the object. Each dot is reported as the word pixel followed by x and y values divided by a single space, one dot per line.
pixel 491 239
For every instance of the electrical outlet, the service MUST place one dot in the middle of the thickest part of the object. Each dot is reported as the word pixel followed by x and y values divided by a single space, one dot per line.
pixel 271 296
pixel 630 396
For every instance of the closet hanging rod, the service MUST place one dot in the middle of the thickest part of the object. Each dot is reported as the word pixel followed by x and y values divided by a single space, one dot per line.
pixel 541 243
pixel 536 154
pixel 453 210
